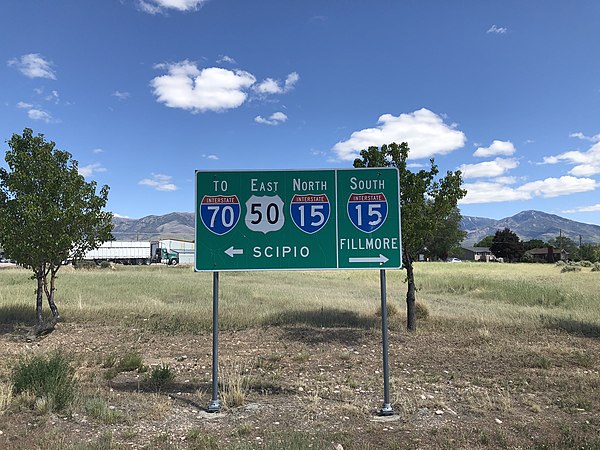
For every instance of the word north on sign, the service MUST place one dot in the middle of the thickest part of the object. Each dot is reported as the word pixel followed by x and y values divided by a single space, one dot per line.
pixel 309 219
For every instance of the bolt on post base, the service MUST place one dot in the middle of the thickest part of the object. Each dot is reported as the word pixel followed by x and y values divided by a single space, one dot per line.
pixel 387 410
pixel 214 407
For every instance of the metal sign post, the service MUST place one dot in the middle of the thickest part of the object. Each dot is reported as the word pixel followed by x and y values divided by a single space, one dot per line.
pixel 215 405
pixel 387 408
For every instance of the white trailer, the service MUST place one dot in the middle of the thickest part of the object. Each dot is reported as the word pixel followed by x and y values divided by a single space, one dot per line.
pixel 133 252
pixel 125 252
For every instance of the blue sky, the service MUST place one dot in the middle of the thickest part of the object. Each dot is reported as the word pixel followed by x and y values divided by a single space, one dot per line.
pixel 144 92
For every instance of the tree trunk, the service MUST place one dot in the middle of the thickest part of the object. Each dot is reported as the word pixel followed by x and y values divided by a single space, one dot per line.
pixel 51 303
pixel 411 323
pixel 39 294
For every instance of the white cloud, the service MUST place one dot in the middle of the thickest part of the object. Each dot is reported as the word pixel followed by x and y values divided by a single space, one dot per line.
pixel 53 97
pixel 35 113
pixel 580 209
pixel 505 148
pixel 97 150
pixel 489 192
pixel 210 89
pixel 494 168
pixel 90 169
pixel 33 65
pixel 121 95
pixel 271 86
pixel 211 157
pixel 119 216
pixel 580 135
pixel 555 187
pixel 585 163
pixel 40 114
pixel 423 130
pixel 274 119
pixel 158 6
pixel 497 30
pixel 159 182
pixel 226 59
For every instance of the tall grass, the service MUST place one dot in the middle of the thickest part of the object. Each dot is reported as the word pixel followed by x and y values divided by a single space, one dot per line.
pixel 176 300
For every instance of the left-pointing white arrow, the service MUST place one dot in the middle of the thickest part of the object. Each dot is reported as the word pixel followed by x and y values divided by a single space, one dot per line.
pixel 234 251
pixel 377 259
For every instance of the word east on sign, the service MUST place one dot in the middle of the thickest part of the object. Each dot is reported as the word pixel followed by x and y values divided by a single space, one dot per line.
pixel 309 219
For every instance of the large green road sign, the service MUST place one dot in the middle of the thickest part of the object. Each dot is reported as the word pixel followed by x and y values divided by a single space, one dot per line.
pixel 309 219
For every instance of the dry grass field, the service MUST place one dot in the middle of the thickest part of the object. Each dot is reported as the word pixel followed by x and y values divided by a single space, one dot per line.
pixel 505 356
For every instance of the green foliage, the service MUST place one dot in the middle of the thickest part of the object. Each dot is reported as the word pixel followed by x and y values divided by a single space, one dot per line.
pixel 426 201
pixel 571 268
pixel 160 377
pixel 130 362
pixel 99 409
pixel 507 245
pixel 563 243
pixel 48 212
pixel 50 380
pixel 534 243
pixel 486 242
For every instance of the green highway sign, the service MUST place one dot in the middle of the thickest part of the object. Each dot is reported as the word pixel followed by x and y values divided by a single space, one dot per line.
pixel 306 219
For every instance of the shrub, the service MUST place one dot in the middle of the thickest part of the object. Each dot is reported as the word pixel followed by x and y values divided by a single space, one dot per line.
pixel 421 311
pixel 84 265
pixel 570 268
pixel 105 265
pixel 99 409
pixel 561 263
pixel 5 396
pixel 596 267
pixel 585 263
pixel 160 377
pixel 130 362
pixel 50 380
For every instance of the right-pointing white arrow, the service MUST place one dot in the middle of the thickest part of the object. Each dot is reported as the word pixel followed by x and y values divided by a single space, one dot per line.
pixel 377 259
pixel 234 251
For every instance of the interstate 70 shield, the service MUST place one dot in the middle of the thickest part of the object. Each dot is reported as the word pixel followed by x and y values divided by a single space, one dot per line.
pixel 220 213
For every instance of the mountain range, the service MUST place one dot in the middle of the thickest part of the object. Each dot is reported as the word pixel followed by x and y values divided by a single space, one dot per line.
pixel 527 224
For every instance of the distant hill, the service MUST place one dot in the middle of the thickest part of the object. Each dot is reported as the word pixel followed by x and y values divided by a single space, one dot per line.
pixel 177 225
pixel 530 225
pixel 527 224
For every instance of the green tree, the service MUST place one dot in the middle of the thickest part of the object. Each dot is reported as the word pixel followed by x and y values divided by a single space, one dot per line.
pixel 486 242
pixel 586 252
pixel 447 236
pixel 534 243
pixel 564 243
pixel 48 213
pixel 507 245
pixel 426 203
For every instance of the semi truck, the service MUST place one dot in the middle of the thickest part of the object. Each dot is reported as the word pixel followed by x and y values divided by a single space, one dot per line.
pixel 133 252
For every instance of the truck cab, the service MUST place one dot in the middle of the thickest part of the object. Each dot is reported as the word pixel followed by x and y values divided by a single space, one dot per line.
pixel 164 255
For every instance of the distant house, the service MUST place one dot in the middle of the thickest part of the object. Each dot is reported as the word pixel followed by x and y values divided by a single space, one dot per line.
pixel 548 254
pixel 482 254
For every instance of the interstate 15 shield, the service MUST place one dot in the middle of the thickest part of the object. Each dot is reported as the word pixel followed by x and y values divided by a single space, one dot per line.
pixel 310 212
pixel 220 213
pixel 367 212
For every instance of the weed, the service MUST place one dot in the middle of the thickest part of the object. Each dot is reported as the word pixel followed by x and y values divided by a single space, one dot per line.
pixel 130 362
pixel 244 429
pixel 50 380
pixel 99 409
pixel 233 388
pixel 6 390
pixel 421 311
pixel 160 377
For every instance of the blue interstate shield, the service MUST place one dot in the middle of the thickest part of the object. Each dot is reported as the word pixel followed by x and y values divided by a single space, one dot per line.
pixel 310 212
pixel 220 213
pixel 367 212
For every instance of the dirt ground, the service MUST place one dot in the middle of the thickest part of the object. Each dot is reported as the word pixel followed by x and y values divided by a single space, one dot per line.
pixel 306 387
